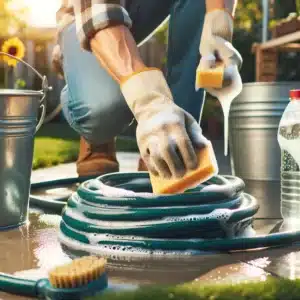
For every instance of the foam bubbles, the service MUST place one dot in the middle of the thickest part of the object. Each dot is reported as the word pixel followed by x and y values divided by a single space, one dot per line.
pixel 109 191
pixel 219 214
pixel 124 244
pixel 95 238
pixel 117 251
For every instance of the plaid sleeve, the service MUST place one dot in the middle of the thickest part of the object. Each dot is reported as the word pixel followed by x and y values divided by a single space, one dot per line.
pixel 94 15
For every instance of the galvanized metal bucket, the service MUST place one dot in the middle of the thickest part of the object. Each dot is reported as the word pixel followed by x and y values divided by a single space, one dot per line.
pixel 254 121
pixel 19 112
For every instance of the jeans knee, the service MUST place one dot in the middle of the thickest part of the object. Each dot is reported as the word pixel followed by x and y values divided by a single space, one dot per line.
pixel 106 120
pixel 96 121
pixel 64 100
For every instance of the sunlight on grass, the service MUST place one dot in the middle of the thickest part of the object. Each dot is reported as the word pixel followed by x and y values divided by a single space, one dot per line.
pixel 52 151
pixel 273 288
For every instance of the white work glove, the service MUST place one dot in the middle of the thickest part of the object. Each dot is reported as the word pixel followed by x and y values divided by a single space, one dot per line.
pixel 216 45
pixel 167 135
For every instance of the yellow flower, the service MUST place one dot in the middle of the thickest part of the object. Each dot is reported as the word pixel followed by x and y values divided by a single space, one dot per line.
pixel 13 46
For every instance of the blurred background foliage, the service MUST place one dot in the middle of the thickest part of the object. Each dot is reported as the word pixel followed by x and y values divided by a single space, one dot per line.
pixel 12 23
pixel 248 25
pixel 248 28
pixel 12 20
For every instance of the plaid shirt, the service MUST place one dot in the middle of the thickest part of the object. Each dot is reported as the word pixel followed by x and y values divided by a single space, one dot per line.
pixel 90 16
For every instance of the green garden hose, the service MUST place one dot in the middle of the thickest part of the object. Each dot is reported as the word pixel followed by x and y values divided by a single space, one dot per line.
pixel 118 211
pixel 116 214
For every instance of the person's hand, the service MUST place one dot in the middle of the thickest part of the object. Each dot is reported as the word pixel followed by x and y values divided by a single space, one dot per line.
pixel 167 135
pixel 215 46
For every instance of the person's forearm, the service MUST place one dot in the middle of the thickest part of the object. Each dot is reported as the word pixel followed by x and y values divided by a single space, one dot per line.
pixel 230 5
pixel 116 50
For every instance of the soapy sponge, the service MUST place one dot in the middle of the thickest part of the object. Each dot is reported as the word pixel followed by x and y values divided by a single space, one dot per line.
pixel 210 78
pixel 207 168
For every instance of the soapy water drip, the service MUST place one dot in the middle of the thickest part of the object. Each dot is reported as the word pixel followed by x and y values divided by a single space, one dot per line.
pixel 232 87
pixel 226 109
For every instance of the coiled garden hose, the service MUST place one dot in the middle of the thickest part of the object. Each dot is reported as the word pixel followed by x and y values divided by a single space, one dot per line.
pixel 117 211
pixel 116 214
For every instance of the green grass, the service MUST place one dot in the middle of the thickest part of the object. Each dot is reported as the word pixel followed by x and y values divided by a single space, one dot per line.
pixel 57 143
pixel 271 289
pixel 51 151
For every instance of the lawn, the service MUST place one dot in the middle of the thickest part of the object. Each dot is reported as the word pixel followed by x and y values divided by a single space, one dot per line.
pixel 57 143
pixel 271 289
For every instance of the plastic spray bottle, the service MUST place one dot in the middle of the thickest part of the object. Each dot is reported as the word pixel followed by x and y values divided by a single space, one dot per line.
pixel 289 142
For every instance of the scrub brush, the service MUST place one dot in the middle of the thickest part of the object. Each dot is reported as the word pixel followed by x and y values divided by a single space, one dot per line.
pixel 207 168
pixel 83 277
pixel 78 273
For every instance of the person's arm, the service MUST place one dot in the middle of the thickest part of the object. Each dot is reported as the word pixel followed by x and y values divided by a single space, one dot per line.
pixel 93 16
pixel 229 5
pixel 103 28
pixel 117 52
pixel 166 134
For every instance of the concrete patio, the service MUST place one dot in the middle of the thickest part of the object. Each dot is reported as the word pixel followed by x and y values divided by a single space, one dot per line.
pixel 30 251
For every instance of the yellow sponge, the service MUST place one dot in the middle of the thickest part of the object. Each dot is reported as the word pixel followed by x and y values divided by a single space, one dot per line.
pixel 210 78
pixel 206 169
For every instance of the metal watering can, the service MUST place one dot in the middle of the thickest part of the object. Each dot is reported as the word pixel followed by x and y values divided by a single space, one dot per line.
pixel 19 110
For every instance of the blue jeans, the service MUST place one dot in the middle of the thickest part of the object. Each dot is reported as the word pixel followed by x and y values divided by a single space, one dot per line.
pixel 92 101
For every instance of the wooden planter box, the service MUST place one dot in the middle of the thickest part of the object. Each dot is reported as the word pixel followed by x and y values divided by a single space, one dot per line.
pixel 286 28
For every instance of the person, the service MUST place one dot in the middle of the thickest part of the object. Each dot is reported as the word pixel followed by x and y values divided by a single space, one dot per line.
pixel 108 85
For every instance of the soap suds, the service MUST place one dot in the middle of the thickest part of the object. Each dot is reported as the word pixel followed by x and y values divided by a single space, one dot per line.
pixel 143 246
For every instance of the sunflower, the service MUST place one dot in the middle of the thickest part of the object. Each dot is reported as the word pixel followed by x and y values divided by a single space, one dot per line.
pixel 13 46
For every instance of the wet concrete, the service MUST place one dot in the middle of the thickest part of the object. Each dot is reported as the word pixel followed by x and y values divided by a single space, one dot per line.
pixel 32 250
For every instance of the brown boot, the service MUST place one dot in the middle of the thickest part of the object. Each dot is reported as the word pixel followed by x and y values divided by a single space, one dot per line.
pixel 142 166
pixel 96 160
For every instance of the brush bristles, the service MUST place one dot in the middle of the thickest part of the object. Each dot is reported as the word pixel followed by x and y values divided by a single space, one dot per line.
pixel 79 272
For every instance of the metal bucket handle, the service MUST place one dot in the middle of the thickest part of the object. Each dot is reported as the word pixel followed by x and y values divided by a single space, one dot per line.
pixel 45 88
